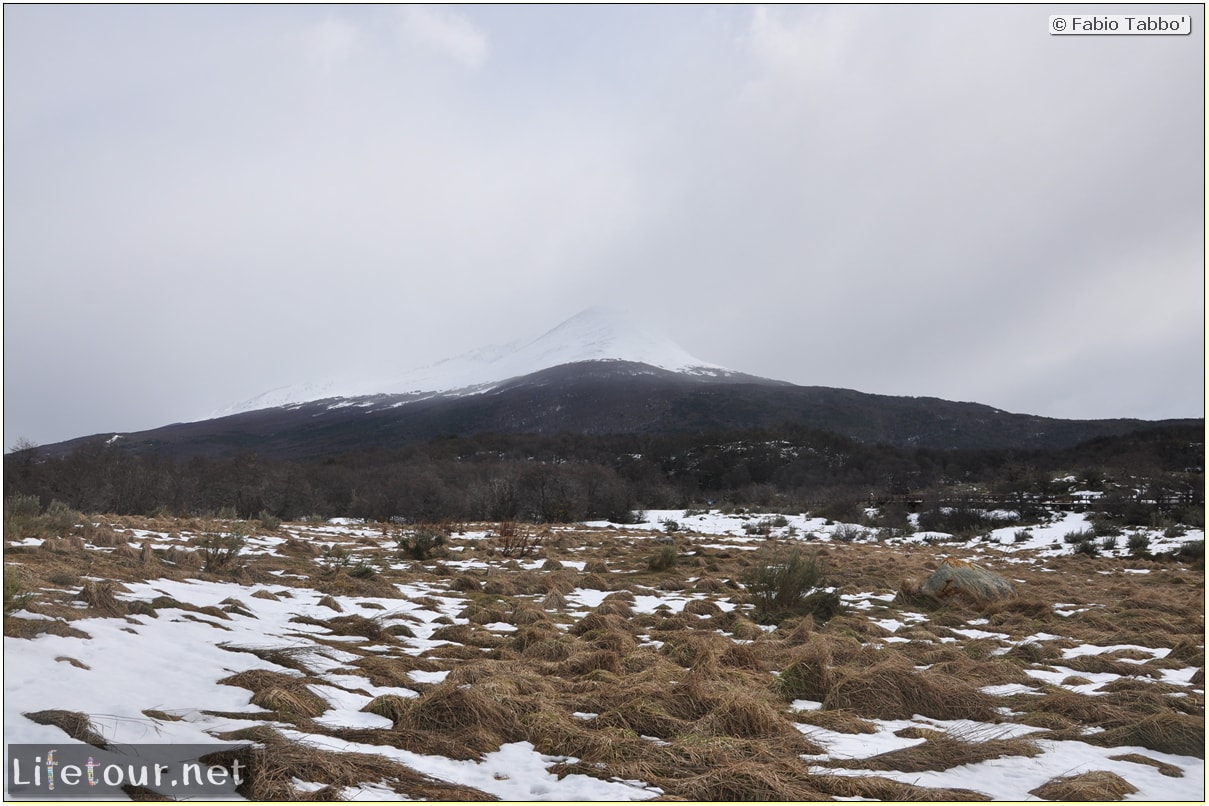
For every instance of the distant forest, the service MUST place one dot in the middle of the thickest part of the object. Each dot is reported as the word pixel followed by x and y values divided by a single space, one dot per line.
pixel 1153 473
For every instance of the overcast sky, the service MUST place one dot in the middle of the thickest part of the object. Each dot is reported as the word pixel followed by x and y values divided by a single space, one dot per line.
pixel 202 203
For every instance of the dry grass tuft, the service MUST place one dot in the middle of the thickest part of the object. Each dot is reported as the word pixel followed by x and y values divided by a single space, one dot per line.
pixel 390 706
pixel 554 601
pixel 702 607
pixel 525 614
pixel 838 721
pixel 808 675
pixel 284 694
pixel 75 724
pixel 1188 649
pixel 894 689
pixel 99 597
pixel 1170 770
pixel 392 670
pixel 693 650
pixel 873 787
pixel 1087 709
pixel 743 656
pixel 614 607
pixel 598 623
pixel 356 625
pixel 942 751
pixel 463 712
pixel 744 781
pixel 594 582
pixel 1175 733
pixel 1098 785
pixel 744 629
pixel 748 717
pixel 276 762
pixel 646 714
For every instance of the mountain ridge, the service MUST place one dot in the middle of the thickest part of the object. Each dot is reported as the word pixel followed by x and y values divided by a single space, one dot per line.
pixel 608 397
pixel 599 372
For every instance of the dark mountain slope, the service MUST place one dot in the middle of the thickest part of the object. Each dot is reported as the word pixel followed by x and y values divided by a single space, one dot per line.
pixel 610 397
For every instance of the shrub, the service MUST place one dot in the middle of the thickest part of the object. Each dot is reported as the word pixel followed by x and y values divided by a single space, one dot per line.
pixel 334 558
pixel 18 505
pixel 847 533
pixel 1087 547
pixel 268 520
pixel 16 596
pixel 21 514
pixel 670 526
pixel 363 570
pixel 1075 538
pixel 785 585
pixel 515 540
pixel 1193 552
pixel 61 518
pixel 1108 543
pixel 220 550
pixel 1104 527
pixel 663 559
pixel 1139 544
pixel 420 543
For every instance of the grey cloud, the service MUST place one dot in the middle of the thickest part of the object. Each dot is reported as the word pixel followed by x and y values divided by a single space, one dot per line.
pixel 206 202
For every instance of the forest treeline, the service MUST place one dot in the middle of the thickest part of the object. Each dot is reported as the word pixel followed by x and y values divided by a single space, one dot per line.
pixel 573 477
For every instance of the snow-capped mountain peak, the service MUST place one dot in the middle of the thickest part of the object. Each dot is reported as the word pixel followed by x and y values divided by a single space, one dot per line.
pixel 596 334
pixel 606 334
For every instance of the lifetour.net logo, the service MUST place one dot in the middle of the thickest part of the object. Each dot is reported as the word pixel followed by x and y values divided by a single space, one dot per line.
pixel 74 771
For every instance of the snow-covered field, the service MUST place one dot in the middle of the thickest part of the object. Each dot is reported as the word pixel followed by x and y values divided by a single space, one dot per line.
pixel 561 631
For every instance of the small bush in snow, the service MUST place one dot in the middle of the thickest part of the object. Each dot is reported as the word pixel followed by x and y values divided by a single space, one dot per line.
pixel 1139 544
pixel 1087 547
pixel 788 585
pixel 219 551
pixel 420 543
pixel 1075 538
pixel 847 533
pixel 16 596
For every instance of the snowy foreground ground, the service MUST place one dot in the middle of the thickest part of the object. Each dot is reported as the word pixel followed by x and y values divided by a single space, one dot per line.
pixel 1096 646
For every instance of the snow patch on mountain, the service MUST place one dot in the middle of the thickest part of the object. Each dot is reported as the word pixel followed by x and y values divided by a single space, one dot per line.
pixel 596 334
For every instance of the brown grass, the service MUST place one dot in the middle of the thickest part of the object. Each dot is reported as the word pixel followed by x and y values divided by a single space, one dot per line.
pixel 893 689
pixel 463 712
pixel 1175 733
pixel 874 787
pixel 288 696
pixel 99 596
pixel 1089 786
pixel 274 762
pixel 75 724
pixel 839 721
pixel 743 781
pixel 1170 770
pixel 708 693
pixel 941 751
